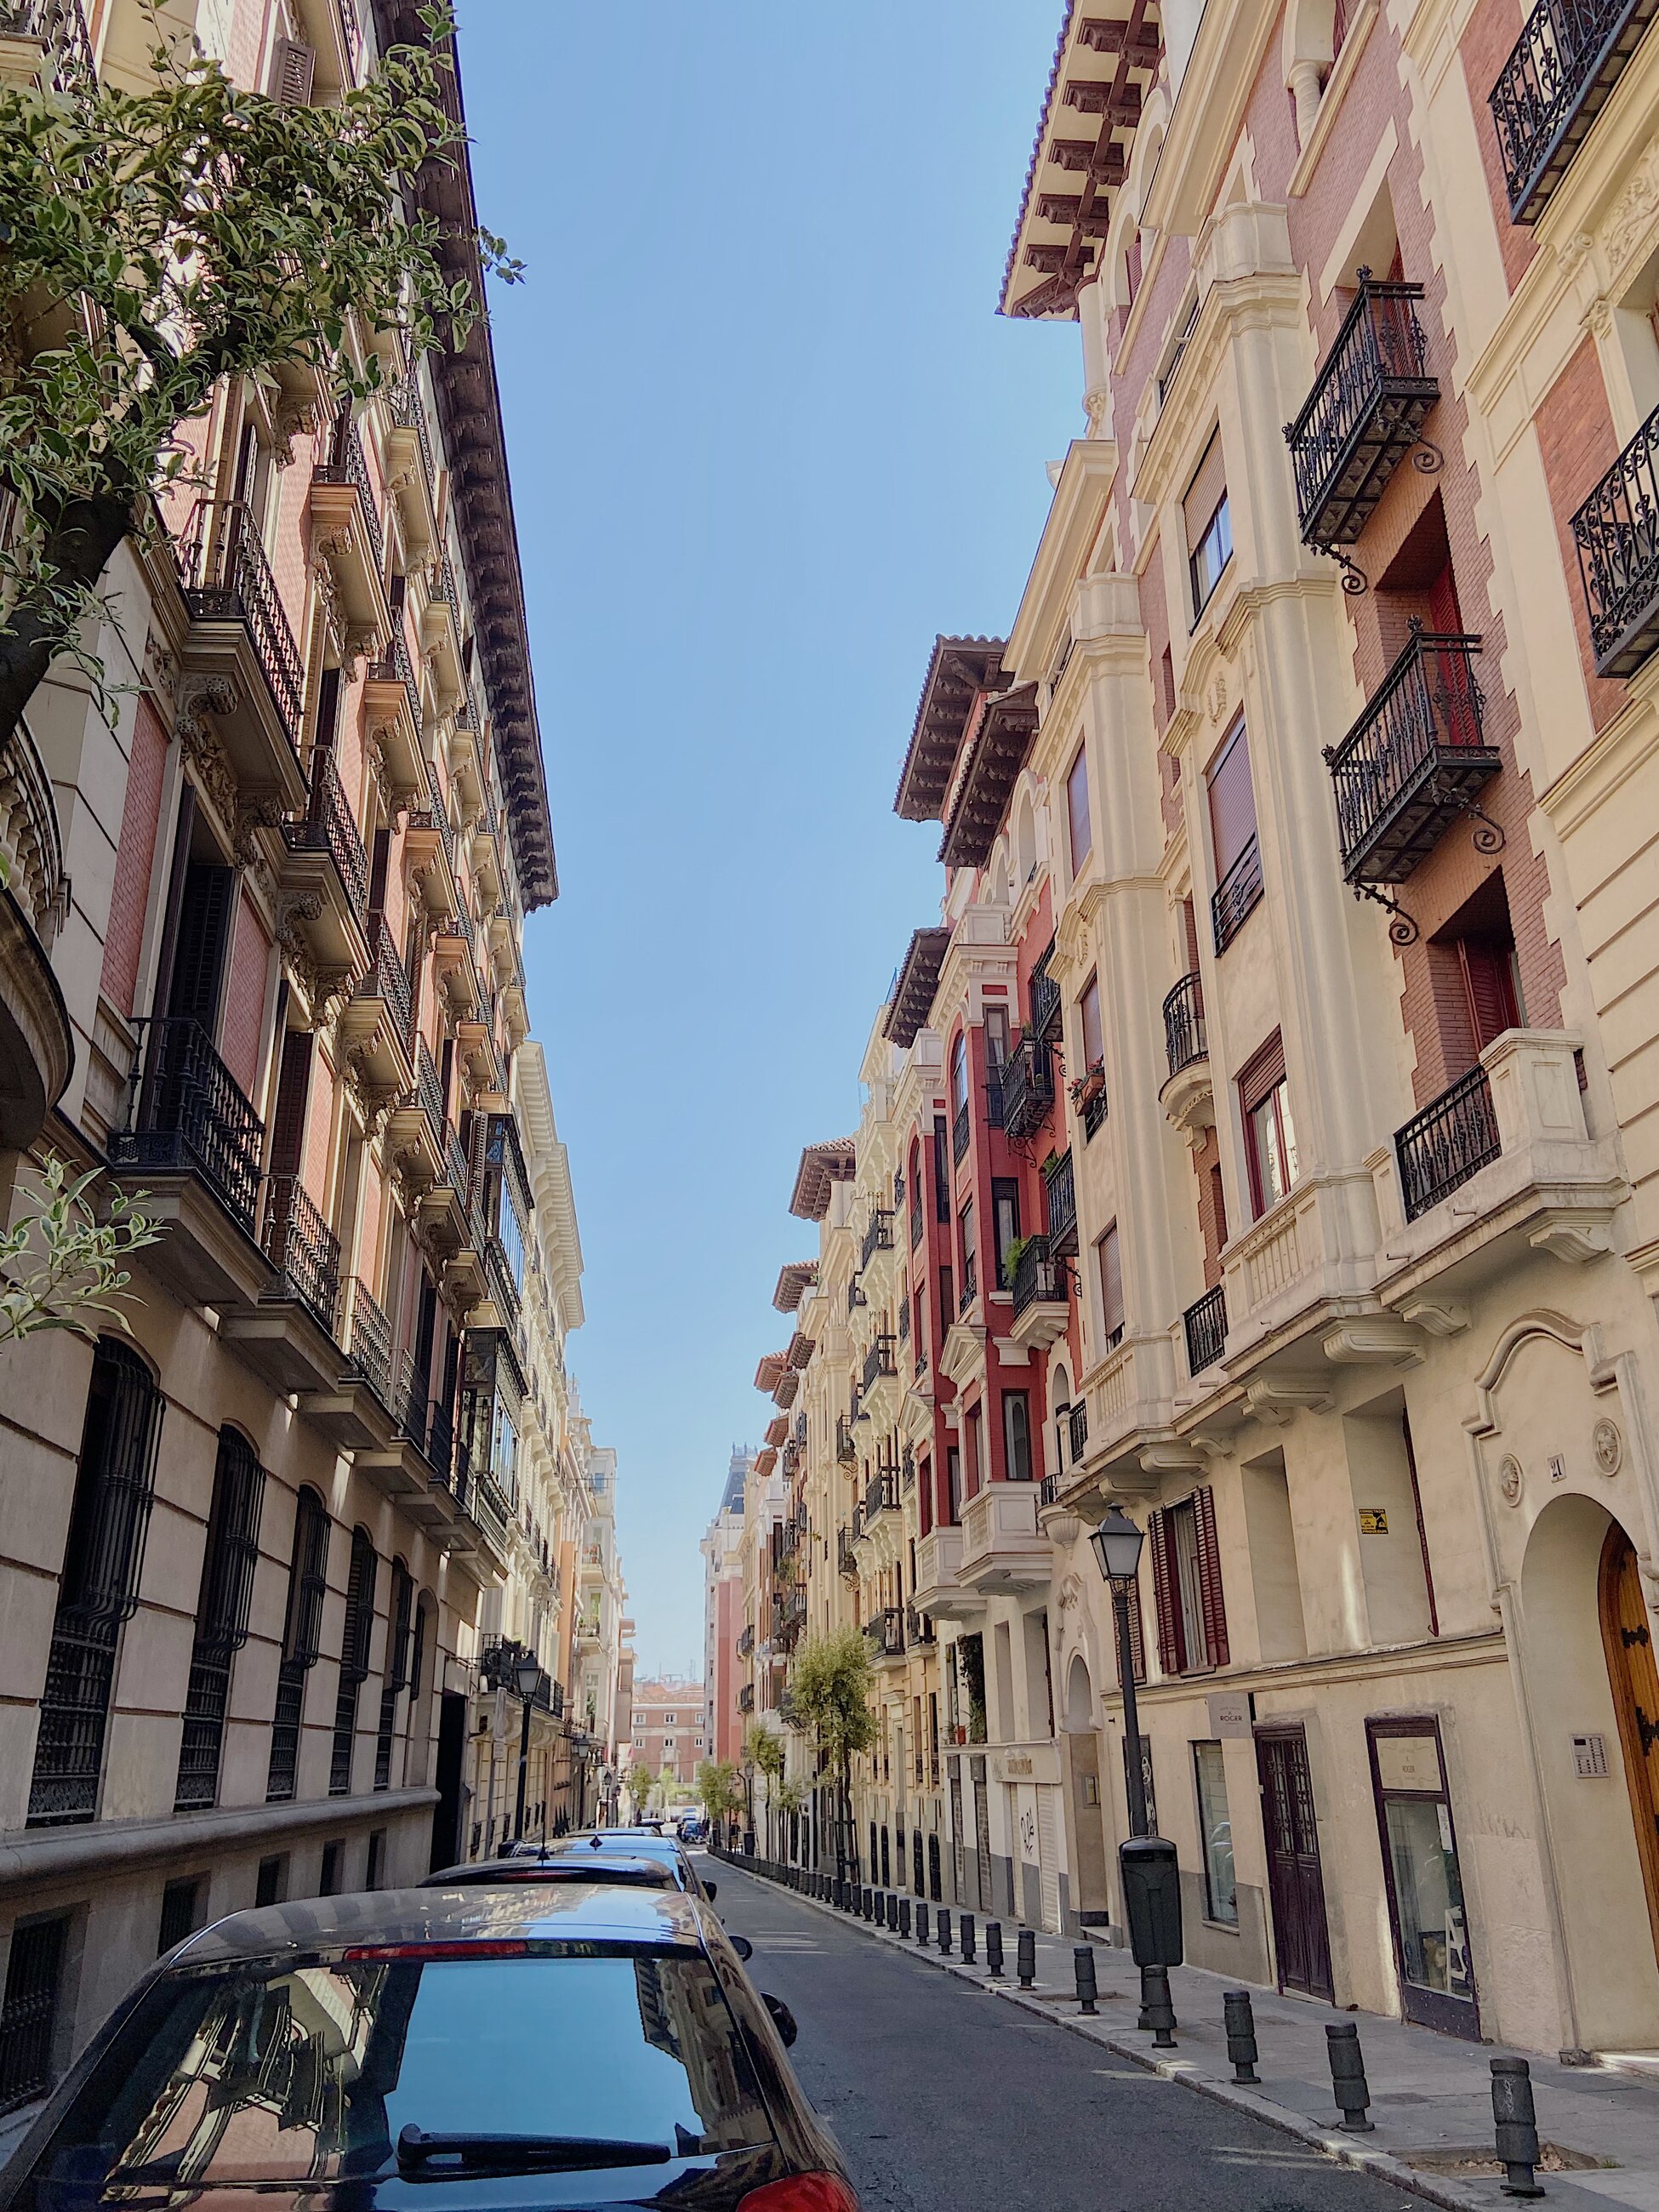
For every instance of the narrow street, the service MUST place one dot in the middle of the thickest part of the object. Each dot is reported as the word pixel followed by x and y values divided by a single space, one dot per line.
pixel 945 2100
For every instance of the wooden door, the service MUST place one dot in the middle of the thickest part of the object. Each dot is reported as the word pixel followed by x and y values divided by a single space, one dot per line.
pixel 1296 1888
pixel 1627 1635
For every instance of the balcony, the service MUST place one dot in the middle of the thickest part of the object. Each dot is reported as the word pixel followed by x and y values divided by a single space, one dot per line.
pixel 1059 1182
pixel 1002 1547
pixel 446 1210
pixel 1237 897
pixel 1616 533
pixel 1205 1326
pixel 346 534
pixel 415 1134
pixel 411 477
pixel 326 875
pixel 37 1048
pixel 1028 1088
pixel 1044 996
pixel 879 1362
pixel 1041 1303
pixel 1188 1097
pixel 845 1558
pixel 878 1236
pixel 884 1633
pixel 376 1024
pixel 880 1495
pixel 291 1340
pixel 940 1588
pixel 918 1629
pixel 1450 1140
pixel 440 634
pixel 241 651
pixel 746 1640
pixel 1363 416
pixel 993 1107
pixel 1077 1432
pixel 1413 760
pixel 969 1283
pixel 392 716
pixel 190 1128
pixel 746 1698
pixel 1570 56
pixel 846 1449
pixel 355 1412
pixel 429 850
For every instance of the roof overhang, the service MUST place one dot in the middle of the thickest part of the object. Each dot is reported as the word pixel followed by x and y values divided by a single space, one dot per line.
pixel 959 671
pixel 766 1374
pixel 917 986
pixel 794 1280
pixel 1105 63
pixel 822 1166
pixel 1076 513
pixel 1001 746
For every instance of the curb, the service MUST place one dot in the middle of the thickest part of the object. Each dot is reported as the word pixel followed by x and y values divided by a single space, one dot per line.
pixel 1434 2189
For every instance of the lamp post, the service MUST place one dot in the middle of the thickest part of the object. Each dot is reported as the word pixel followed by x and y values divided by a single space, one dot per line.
pixel 1117 1543
pixel 527 1677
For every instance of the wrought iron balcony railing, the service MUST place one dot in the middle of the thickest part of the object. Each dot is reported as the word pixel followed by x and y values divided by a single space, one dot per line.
pixel 408 412
pixel 386 978
pixel 62 30
pixel 1452 1139
pixel 916 1218
pixel 878 1235
pixel 746 1640
pixel 846 1559
pixel 918 1626
pixel 880 1495
pixel 328 827
pixel 1205 1324
pixel 993 1106
pixel 1060 1182
pixel 1236 896
pixel 370 1340
pixel 846 1449
pixel 878 1361
pixel 1413 760
pixel 1028 1087
pixel 1183 1024
pixel 1049 1491
pixel 393 667
pixel 1617 534
pixel 746 1698
pixel 1044 994
pixel 190 1114
pixel 969 1283
pixel 302 1247
pixel 228 579
pixel 1570 56
pixel 347 466
pixel 959 1132
pixel 1363 416
pixel 1077 1432
pixel 1038 1278
pixel 428 1092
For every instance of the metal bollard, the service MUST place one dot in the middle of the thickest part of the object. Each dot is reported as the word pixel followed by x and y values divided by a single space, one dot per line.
pixel 1240 2023
pixel 1159 2008
pixel 1026 1957
pixel 1518 2126
pixel 994 1950
pixel 1348 2083
pixel 893 1911
pixel 969 1953
pixel 869 1904
pixel 944 1932
pixel 904 1918
pixel 921 1920
pixel 1083 1968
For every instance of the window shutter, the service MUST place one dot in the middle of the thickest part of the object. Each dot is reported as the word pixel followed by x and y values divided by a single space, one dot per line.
pixel 292 67
pixel 360 1607
pixel 1209 1578
pixel 1164 1594
pixel 1137 1634
pixel 1488 980
pixel 203 940
pixel 288 1123
pixel 1111 1281
pixel 1262 1073
pixel 232 1547
pixel 1205 492
pixel 1232 801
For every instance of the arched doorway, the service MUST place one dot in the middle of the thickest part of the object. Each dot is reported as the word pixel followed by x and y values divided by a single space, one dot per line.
pixel 1082 1747
pixel 1633 1673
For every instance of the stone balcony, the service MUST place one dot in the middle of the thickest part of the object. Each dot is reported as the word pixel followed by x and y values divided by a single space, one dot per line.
pixel 940 1590
pixel 1003 1549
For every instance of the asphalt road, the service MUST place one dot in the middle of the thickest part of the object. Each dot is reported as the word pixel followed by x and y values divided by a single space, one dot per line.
pixel 945 2099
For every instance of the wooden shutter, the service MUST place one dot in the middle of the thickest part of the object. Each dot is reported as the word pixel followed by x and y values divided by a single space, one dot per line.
pixel 1209 1578
pixel 1094 1043
pixel 198 961
pixel 360 1607
pixel 1205 492
pixel 1232 801
pixel 1189 926
pixel 377 869
pixel 1262 1073
pixel 292 65
pixel 1137 1635
pixel 1111 1281
pixel 288 1123
pixel 1163 1593
pixel 1445 615
pixel 1489 983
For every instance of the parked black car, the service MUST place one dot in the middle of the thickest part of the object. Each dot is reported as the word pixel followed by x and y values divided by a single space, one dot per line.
pixel 617 1870
pixel 512 2047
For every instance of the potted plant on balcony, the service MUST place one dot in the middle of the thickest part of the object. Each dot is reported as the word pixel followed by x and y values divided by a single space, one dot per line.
pixel 1087 1087
pixel 1048 1162
pixel 1011 1259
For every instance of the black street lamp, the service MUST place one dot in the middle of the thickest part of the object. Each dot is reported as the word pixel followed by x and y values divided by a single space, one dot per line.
pixel 1117 1543
pixel 527 1678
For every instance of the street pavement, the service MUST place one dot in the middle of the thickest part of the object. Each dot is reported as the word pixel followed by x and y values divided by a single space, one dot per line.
pixel 945 2098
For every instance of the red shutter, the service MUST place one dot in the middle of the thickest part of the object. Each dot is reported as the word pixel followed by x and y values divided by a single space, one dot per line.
pixel 1209 1578
pixel 1164 1594
pixel 1232 801
pixel 1262 1073
pixel 1488 980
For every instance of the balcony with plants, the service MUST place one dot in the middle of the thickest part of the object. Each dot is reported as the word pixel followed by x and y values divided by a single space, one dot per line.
pixel 1042 1292
pixel 1028 1088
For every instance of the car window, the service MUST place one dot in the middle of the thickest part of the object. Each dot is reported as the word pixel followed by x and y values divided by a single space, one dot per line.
pixel 294 2074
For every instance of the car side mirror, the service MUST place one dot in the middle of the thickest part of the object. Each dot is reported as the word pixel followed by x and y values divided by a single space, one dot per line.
pixel 782 2019
pixel 742 1946
pixel 711 1890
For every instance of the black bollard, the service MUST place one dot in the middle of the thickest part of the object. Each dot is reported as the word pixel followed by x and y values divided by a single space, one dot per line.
pixel 921 1920
pixel 994 1950
pixel 904 1918
pixel 893 1911
pixel 944 1932
pixel 1240 2023
pixel 1026 1957
pixel 1160 2010
pixel 1518 2126
pixel 1348 2083
pixel 1083 1968
pixel 969 1953
pixel 869 1904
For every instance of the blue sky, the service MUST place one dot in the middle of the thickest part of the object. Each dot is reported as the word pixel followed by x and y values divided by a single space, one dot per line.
pixel 768 436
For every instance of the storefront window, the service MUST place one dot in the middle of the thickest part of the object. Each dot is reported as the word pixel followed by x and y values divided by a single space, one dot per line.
pixel 1215 1834
pixel 1425 1887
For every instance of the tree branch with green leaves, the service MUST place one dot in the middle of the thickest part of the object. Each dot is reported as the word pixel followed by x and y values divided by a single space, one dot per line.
pixel 62 1266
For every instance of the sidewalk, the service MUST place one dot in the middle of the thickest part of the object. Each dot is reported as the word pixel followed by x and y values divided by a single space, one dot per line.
pixel 1430 2094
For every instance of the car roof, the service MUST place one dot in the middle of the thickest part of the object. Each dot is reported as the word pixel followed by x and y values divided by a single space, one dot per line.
pixel 550 1866
pixel 619 1839
pixel 546 1912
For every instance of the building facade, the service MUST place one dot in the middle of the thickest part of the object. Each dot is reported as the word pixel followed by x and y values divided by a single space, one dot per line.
pixel 667 1724
pixel 265 965
pixel 722 1610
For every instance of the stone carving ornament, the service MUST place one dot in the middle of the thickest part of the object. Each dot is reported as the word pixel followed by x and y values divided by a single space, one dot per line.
pixel 1609 1446
pixel 1509 1478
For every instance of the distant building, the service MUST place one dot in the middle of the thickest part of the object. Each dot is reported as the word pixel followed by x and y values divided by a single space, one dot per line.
pixel 723 1612
pixel 668 1727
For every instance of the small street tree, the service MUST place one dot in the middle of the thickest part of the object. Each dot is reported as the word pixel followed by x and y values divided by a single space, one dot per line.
pixel 722 1793
pixel 830 1685
pixel 156 242
pixel 641 1781
pixel 762 1755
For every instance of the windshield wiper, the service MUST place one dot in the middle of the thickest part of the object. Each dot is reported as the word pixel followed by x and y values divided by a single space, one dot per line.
pixel 442 2153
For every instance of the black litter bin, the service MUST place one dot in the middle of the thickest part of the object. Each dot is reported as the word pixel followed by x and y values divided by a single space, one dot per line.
pixel 1152 1899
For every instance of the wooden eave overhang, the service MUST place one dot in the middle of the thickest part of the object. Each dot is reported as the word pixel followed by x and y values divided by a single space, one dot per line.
pixel 1001 746
pixel 795 1281
pixel 960 670
pixel 821 1167
pixel 764 1463
pixel 777 1432
pixel 470 413
pixel 917 988
pixel 1105 63
pixel 766 1374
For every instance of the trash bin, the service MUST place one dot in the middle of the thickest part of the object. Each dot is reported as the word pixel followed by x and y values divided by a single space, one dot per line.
pixel 1152 1899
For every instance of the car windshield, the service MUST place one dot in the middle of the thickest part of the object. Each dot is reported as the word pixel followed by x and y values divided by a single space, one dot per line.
pixel 294 2074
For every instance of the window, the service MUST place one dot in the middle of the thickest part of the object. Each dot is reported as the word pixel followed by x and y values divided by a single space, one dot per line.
pixel 1232 837
pixel 1209 525
pixel 1109 1275
pixel 1005 1210
pixel 996 1036
pixel 953 1479
pixel 1016 1435
pixel 399 1638
pixel 1192 1620
pixel 1477 993
pixel 223 1603
pixel 354 1657
pixel 1264 1095
pixel 1079 830
pixel 1093 1098
pixel 333 1870
pixel 1215 1831
pixel 181 1913
pixel 959 1075
pixel 511 1236
pixel 307 1584
pixel 504 1451
pixel 969 1250
pixel 973 1463
pixel 271 1884
pixel 375 1874
pixel 28 2012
